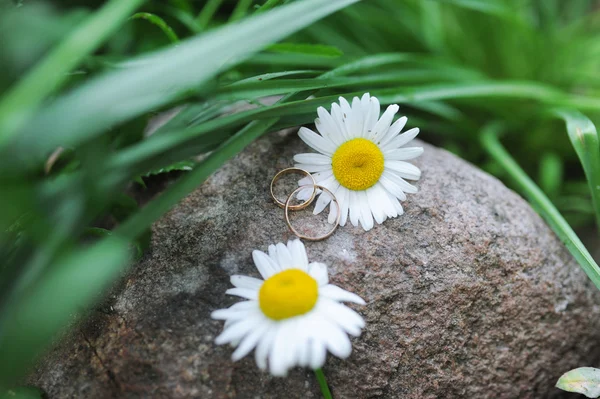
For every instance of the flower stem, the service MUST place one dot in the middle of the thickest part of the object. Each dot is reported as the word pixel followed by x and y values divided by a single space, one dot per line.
pixel 323 384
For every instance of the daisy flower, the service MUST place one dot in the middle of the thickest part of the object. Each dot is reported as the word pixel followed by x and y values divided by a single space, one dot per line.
pixel 361 160
pixel 293 316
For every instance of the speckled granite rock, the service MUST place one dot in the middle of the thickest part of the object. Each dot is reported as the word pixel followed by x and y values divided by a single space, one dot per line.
pixel 470 295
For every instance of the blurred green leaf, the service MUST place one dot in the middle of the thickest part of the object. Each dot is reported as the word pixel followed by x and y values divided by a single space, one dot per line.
pixel 540 203
pixel 156 79
pixel 551 174
pixel 158 21
pixel 22 393
pixel 177 166
pixel 303 48
pixel 18 105
pixel 584 380
pixel 584 138
pixel 35 317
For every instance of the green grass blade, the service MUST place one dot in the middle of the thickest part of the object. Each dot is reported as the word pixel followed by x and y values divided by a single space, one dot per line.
pixel 207 13
pixel 268 5
pixel 540 203
pixel 36 316
pixel 158 21
pixel 155 80
pixel 584 138
pixel 240 10
pixel 19 103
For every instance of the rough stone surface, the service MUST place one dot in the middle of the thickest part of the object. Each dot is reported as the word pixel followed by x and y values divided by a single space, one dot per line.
pixel 470 295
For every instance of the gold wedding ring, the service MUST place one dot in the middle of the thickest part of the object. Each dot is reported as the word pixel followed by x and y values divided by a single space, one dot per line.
pixel 288 207
pixel 299 206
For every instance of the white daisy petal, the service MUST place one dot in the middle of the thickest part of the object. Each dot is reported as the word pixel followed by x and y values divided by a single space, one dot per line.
pixel 298 251
pixel 336 341
pixel 322 203
pixel 393 131
pixel 336 293
pixel 333 212
pixel 366 218
pixel 384 201
pixel 343 197
pixel 404 169
pixel 246 282
pixel 354 208
pixel 338 115
pixel 265 265
pixel 284 257
pixel 403 154
pixel 342 315
pixel 356 118
pixel 264 346
pixel 404 185
pixel 243 293
pixel 318 271
pixel 327 126
pixel 318 353
pixel 372 116
pixel 316 141
pixel 312 159
pixel 278 356
pixel 238 330
pixel 311 168
pixel 392 188
pixel 250 341
pixel 384 123
pixel 400 140
pixel 376 207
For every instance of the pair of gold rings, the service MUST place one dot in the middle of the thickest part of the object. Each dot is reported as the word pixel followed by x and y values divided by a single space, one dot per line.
pixel 287 206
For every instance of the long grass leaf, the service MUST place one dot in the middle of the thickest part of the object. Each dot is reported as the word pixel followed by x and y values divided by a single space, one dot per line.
pixel 157 79
pixel 584 138
pixel 19 103
pixel 540 203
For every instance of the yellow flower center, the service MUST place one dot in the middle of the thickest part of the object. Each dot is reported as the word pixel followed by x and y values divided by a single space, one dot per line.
pixel 287 294
pixel 357 164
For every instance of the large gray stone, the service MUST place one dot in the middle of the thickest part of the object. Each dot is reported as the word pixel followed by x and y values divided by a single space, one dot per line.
pixel 469 295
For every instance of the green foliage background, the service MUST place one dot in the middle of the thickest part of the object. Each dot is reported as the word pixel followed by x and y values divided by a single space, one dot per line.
pixel 80 82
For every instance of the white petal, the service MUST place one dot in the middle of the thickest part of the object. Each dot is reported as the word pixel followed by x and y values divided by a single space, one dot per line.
pixel 246 282
pixel 318 353
pixel 243 292
pixel 393 131
pixel 333 212
pixel 403 154
pixel 336 293
pixel 237 311
pixel 317 142
pixel 251 340
pixel 392 188
pixel 318 271
pixel 343 196
pixel 298 252
pixel 356 118
pixel 373 116
pixel 314 159
pixel 279 360
pixel 328 127
pixel 284 257
pixel 264 346
pixel 404 185
pixel 335 339
pixel 265 265
pixel 322 202
pixel 384 201
pixel 238 330
pixel 354 208
pixel 342 315
pixel 312 168
pixel 404 169
pixel 400 140
pixel 382 126
pixel 338 116
pixel 366 218
pixel 376 207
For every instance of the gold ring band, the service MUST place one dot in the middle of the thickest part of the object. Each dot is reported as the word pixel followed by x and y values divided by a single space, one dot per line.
pixel 299 171
pixel 287 207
